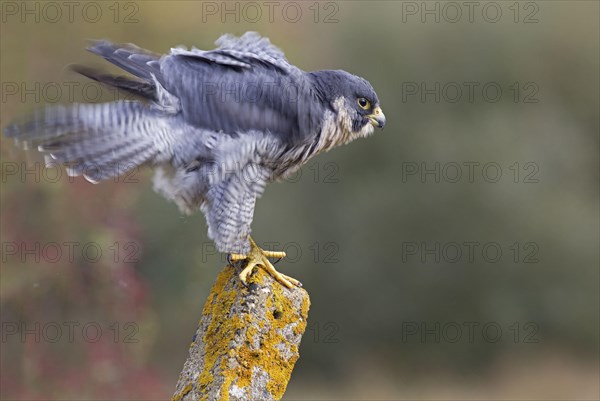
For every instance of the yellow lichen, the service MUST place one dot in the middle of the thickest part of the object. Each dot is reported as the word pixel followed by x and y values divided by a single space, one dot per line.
pixel 305 307
pixel 183 392
pixel 216 290
pixel 280 313
pixel 223 328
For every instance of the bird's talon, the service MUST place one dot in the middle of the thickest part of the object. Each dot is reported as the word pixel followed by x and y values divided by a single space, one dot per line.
pixel 258 257
pixel 236 257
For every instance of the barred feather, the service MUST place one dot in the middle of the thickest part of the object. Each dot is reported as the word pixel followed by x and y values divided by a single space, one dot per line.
pixel 212 150
pixel 98 141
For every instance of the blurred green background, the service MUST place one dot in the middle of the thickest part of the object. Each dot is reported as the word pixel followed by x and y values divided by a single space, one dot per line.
pixel 396 312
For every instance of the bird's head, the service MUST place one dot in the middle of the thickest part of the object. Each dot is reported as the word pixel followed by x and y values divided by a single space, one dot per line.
pixel 354 101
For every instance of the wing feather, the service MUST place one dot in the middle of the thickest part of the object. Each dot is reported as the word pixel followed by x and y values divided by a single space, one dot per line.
pixel 244 85
pixel 243 52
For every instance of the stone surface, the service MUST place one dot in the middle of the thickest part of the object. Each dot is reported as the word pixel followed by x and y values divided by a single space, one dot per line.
pixel 247 340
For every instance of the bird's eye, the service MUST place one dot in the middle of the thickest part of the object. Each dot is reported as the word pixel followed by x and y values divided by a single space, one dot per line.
pixel 363 103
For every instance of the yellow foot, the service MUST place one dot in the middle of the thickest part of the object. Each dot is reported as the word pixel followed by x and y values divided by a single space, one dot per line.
pixel 258 257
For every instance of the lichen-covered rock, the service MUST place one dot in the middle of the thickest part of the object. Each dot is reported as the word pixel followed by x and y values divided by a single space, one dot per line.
pixel 247 341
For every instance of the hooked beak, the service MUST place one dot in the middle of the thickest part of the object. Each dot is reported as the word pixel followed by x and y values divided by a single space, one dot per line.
pixel 377 119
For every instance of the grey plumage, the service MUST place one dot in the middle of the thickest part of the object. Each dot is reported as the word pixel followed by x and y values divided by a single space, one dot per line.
pixel 217 125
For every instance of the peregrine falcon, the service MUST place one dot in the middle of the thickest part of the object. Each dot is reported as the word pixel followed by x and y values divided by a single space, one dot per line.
pixel 216 126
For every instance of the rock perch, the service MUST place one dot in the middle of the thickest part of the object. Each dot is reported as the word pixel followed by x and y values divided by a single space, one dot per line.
pixel 247 340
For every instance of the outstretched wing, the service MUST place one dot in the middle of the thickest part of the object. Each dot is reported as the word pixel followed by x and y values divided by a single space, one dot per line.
pixel 244 85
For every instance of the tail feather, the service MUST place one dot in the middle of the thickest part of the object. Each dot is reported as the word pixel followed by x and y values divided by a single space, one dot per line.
pixel 98 141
